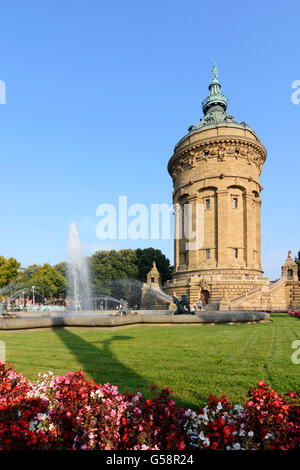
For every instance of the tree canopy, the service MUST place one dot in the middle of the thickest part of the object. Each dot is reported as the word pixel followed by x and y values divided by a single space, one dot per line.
pixel 106 267
pixel 48 281
pixel 121 274
pixel 9 269
pixel 145 259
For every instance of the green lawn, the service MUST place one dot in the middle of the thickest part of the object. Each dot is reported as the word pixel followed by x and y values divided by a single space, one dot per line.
pixel 193 361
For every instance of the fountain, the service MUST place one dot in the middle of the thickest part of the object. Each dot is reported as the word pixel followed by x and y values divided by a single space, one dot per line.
pixel 78 274
pixel 124 299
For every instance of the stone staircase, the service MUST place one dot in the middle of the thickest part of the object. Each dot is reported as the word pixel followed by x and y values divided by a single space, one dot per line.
pixel 264 297
pixel 295 296
pixel 155 299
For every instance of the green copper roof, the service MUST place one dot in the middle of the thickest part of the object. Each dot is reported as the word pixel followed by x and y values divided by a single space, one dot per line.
pixel 214 107
pixel 215 97
pixel 214 110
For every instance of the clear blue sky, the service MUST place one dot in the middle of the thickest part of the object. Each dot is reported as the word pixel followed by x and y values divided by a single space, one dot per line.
pixel 98 94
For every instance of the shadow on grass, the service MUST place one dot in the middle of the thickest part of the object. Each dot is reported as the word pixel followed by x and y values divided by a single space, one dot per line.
pixel 100 364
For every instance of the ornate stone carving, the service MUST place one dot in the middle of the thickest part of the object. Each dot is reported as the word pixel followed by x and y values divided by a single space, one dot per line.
pixel 250 156
pixel 243 150
pixel 206 153
pixel 219 149
pixel 192 159
pixel 204 283
pixel 221 153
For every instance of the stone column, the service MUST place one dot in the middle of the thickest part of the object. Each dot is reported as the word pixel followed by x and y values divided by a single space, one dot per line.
pixel 222 229
pixel 177 232
pixel 249 230
pixel 258 233
pixel 192 254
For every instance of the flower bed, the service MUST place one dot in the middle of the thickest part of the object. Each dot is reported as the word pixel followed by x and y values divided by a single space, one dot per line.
pixel 70 412
pixel 294 313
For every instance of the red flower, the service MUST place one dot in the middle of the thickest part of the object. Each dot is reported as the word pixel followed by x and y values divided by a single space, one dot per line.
pixel 181 445
pixel 227 431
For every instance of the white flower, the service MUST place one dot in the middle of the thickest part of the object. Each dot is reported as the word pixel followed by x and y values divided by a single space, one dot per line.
pixel 219 406
pixel 238 407
pixel 31 426
pixel 42 416
pixel 250 433
pixel 236 446
pixel 206 442
pixel 34 425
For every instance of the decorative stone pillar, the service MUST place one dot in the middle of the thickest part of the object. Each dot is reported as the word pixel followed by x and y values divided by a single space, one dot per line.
pixel 258 233
pixel 191 242
pixel 249 230
pixel 222 225
pixel 177 233
pixel 290 269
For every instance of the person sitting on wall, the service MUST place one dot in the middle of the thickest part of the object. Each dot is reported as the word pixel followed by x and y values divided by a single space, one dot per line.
pixel 193 307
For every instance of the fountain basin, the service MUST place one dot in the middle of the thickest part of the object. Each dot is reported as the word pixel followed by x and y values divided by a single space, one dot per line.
pixel 109 319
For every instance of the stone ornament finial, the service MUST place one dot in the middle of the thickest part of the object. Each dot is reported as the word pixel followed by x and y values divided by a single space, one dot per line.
pixel 290 269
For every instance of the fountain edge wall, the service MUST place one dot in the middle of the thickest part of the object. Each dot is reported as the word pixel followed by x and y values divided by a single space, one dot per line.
pixel 133 319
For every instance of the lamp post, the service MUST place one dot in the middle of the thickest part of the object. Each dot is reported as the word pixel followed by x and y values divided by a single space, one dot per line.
pixel 23 300
pixel 33 287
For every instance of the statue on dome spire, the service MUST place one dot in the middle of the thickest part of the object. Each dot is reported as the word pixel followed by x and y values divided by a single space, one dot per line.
pixel 216 101
pixel 215 71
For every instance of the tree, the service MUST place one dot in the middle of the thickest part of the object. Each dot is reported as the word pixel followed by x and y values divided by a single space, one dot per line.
pixel 145 260
pixel 61 268
pixel 107 268
pixel 24 283
pixel 120 274
pixel 48 282
pixel 9 270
